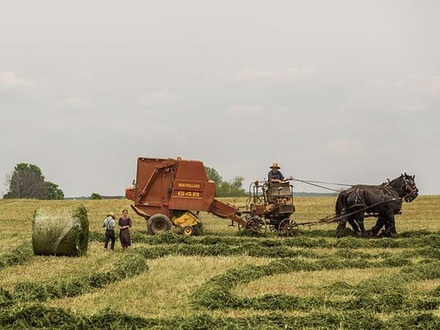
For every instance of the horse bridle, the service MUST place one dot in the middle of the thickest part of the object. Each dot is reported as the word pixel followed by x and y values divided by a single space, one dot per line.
pixel 409 189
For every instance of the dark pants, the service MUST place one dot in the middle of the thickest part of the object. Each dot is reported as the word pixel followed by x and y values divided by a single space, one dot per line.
pixel 110 236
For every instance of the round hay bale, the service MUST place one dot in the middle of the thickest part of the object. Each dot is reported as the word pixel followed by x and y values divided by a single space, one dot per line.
pixel 61 232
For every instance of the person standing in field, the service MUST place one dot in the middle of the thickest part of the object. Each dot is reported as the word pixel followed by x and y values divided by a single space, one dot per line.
pixel 109 225
pixel 124 230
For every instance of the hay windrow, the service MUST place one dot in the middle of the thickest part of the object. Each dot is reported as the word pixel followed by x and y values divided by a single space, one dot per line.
pixel 225 250
pixel 6 298
pixel 379 295
pixel 131 265
pixel 425 271
pixel 39 316
pixel 431 241
pixel 421 321
pixel 17 256
pixel 261 251
pixel 216 294
pixel 60 231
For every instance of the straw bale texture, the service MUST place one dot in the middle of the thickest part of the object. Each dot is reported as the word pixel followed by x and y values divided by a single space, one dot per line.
pixel 60 231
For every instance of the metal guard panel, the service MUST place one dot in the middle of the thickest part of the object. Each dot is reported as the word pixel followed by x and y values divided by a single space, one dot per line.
pixel 226 211
pixel 186 219
pixel 189 185
pixel 186 203
pixel 257 209
pixel 191 170
pixel 187 195
pixel 279 190
pixel 286 209
pixel 151 210
pixel 130 194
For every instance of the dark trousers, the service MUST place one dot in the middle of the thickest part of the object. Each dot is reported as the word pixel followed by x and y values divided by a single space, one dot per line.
pixel 110 236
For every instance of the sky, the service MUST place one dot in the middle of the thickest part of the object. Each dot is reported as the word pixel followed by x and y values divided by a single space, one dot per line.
pixel 334 91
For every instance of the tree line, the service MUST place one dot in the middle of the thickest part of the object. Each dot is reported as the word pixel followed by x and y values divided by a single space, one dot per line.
pixel 28 181
pixel 233 188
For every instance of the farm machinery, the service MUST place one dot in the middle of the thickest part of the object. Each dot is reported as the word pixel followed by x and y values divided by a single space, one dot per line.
pixel 172 192
pixel 270 205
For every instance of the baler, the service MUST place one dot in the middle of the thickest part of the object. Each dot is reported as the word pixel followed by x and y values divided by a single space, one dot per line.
pixel 170 192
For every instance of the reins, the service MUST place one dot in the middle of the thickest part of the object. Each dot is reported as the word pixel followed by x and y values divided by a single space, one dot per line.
pixel 314 183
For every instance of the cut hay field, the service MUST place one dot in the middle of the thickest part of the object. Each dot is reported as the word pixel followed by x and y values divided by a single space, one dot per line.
pixel 223 279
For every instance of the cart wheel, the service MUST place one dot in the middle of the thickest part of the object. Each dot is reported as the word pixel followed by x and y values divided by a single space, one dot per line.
pixel 288 228
pixel 246 218
pixel 273 228
pixel 158 224
pixel 188 231
pixel 256 225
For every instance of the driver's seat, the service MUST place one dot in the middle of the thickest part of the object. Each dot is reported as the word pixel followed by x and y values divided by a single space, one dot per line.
pixel 275 190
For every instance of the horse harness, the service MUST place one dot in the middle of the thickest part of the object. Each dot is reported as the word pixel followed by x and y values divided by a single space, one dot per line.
pixel 359 202
pixel 408 187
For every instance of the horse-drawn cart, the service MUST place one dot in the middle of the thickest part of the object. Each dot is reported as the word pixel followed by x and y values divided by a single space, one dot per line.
pixel 271 206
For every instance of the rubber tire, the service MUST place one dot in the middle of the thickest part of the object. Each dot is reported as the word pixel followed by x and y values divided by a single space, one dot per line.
pixel 158 224
pixel 188 231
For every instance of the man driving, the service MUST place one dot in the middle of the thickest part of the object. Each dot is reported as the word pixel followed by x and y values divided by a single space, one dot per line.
pixel 274 175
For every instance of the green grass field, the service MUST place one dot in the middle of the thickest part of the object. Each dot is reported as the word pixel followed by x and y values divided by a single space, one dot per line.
pixel 223 279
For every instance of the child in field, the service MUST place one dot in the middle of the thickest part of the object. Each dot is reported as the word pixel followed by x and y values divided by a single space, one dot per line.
pixel 109 224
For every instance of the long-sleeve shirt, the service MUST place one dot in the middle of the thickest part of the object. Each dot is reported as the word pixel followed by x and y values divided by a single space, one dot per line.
pixel 277 175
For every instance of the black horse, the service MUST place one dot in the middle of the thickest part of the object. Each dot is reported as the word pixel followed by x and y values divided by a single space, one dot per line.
pixel 383 201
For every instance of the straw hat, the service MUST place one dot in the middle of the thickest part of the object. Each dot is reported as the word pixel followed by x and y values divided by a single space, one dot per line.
pixel 111 214
pixel 275 165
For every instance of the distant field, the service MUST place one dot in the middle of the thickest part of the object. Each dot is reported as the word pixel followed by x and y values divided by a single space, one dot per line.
pixel 224 279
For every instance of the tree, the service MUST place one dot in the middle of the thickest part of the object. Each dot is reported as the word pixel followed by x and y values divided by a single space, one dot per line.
pixel 53 191
pixel 27 181
pixel 232 188
pixel 95 196
pixel 236 187
pixel 213 175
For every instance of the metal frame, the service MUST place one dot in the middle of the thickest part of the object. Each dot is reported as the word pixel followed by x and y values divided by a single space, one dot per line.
pixel 277 218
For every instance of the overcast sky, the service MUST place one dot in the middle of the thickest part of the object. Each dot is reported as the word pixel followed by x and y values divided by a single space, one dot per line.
pixel 338 91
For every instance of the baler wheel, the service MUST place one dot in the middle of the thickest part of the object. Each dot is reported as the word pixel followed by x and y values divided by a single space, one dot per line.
pixel 188 231
pixel 158 224
pixel 288 227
